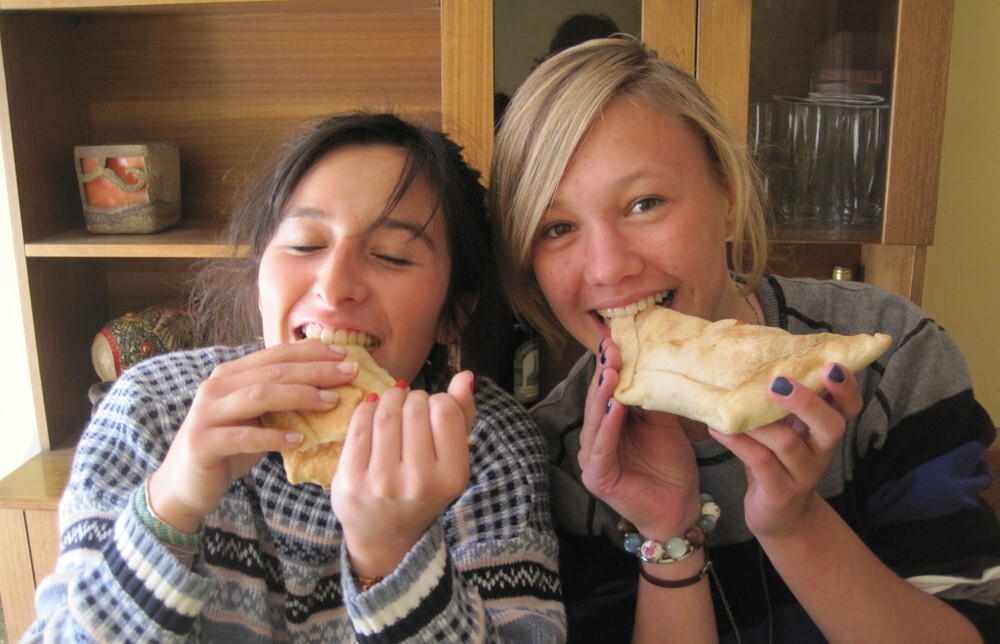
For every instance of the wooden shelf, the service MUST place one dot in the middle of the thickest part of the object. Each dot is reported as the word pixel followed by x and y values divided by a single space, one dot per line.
pixel 185 240
pixel 188 6
pixel 39 483
pixel 827 236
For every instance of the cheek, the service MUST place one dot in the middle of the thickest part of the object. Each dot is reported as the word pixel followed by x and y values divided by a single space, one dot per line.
pixel 554 273
pixel 267 287
pixel 276 289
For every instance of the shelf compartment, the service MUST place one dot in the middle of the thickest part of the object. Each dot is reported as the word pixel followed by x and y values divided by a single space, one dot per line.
pixel 191 240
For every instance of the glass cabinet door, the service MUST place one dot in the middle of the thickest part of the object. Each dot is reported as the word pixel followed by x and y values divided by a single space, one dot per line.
pixel 818 119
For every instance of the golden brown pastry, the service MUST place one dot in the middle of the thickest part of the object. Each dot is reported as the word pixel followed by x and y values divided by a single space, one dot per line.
pixel 316 459
pixel 719 372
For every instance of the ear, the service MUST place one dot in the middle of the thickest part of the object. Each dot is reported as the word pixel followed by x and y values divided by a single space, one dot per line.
pixel 450 329
pixel 727 196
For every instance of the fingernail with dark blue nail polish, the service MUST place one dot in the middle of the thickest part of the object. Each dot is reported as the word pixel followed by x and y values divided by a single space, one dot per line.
pixel 600 379
pixel 607 409
pixel 836 374
pixel 781 386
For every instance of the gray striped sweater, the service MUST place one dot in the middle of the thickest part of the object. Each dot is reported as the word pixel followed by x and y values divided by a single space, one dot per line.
pixel 907 479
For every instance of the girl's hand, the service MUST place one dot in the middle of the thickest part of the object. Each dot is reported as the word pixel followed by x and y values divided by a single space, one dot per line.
pixel 638 462
pixel 405 459
pixel 785 460
pixel 221 438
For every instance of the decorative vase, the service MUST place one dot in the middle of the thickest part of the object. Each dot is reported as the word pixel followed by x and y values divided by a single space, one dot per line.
pixel 134 337
pixel 130 188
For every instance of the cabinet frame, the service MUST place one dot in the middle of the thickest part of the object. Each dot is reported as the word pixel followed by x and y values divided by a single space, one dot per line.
pixel 920 77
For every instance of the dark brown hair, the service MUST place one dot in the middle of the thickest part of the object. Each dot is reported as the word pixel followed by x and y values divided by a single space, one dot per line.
pixel 224 293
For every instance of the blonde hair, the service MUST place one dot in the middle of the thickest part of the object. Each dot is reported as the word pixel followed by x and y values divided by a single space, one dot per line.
pixel 551 113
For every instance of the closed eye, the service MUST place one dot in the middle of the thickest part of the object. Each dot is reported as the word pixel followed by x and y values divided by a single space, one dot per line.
pixel 305 250
pixel 395 261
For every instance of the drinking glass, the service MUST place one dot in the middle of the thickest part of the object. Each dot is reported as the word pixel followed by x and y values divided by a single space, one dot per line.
pixel 809 158
pixel 868 148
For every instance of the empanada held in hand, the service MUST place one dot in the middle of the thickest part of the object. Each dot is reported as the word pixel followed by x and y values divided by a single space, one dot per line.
pixel 719 372
pixel 317 458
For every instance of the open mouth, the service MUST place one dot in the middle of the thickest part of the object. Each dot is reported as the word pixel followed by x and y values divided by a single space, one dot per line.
pixel 663 298
pixel 336 336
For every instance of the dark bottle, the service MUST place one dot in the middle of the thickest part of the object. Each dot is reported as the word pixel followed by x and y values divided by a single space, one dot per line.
pixel 526 364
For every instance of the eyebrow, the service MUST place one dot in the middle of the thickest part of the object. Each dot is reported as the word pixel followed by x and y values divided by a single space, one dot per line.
pixel 416 231
pixel 619 182
pixel 389 222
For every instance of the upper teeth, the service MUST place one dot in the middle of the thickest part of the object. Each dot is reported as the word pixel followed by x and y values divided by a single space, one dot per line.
pixel 338 336
pixel 634 307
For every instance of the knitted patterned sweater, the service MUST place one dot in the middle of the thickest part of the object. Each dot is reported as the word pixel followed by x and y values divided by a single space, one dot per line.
pixel 271 567
pixel 906 478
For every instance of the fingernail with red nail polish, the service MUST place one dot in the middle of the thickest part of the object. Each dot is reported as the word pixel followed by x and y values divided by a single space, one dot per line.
pixel 372 397
pixel 402 384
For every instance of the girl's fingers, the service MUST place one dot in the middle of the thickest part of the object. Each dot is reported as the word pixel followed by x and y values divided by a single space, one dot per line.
pixel 842 386
pixel 754 451
pixel 290 352
pixel 821 425
pixel 222 442
pixel 450 438
pixel 309 363
pixel 387 431
pixel 254 400
pixel 602 429
pixel 798 444
pixel 355 456
pixel 418 444
pixel 602 386
pixel 463 389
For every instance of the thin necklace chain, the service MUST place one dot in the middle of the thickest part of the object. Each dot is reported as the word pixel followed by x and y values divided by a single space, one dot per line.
pixel 756 316
pixel 767 600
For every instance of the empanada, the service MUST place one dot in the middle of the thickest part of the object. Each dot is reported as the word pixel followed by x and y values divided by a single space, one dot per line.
pixel 719 372
pixel 316 459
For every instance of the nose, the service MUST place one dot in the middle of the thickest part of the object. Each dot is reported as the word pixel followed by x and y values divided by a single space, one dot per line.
pixel 340 275
pixel 609 256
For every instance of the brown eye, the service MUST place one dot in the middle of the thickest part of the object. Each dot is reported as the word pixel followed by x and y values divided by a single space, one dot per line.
pixel 557 230
pixel 647 203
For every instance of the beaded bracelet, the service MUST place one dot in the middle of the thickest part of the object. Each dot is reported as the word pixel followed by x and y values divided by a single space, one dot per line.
pixel 677 548
pixel 172 538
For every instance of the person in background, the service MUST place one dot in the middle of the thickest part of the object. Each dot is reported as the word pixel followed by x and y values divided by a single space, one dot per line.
pixel 574 30
pixel 178 523
pixel 857 518
pixel 580 28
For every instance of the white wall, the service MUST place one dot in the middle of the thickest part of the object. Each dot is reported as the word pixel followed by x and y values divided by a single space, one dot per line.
pixel 962 285
pixel 19 440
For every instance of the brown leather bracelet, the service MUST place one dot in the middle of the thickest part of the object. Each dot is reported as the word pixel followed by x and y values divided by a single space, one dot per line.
pixel 680 583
